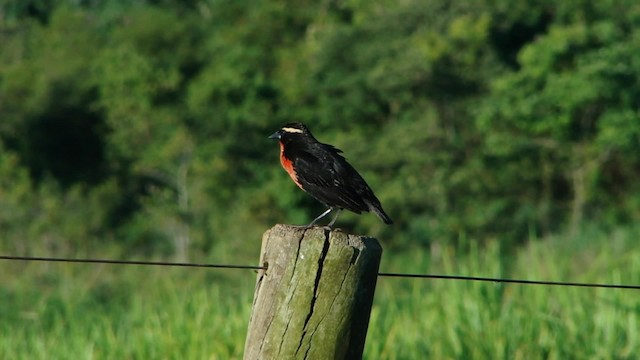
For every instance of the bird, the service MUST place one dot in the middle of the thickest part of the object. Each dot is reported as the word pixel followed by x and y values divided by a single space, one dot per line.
pixel 321 171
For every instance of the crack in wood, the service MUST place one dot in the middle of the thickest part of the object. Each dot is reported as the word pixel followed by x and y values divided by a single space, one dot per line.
pixel 336 296
pixel 284 333
pixel 295 262
pixel 333 301
pixel 323 256
pixel 354 256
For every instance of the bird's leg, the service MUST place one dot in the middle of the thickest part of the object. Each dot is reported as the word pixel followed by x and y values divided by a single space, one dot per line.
pixel 319 217
pixel 334 219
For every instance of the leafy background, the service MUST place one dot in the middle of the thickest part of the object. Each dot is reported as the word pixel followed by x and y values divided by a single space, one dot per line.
pixel 489 129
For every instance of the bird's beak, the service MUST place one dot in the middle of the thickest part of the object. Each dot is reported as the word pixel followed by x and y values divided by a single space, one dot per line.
pixel 275 135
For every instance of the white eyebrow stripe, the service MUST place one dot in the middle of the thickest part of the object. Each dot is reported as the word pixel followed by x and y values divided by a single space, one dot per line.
pixel 292 130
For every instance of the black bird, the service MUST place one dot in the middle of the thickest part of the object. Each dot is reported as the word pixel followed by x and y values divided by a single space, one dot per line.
pixel 323 173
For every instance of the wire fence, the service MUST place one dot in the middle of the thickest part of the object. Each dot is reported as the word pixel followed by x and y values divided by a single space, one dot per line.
pixel 380 274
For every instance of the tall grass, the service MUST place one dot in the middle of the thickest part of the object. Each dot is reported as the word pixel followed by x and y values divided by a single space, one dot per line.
pixel 442 319
pixel 66 311
pixel 109 312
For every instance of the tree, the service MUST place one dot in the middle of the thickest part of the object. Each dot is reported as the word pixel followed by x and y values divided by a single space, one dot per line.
pixel 571 111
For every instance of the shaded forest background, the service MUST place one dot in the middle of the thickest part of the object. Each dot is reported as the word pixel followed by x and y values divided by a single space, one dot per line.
pixel 141 126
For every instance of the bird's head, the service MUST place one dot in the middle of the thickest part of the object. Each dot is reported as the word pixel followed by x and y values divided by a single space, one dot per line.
pixel 291 131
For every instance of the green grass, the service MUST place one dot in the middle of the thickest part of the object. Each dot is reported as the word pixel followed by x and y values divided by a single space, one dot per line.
pixel 66 311
pixel 109 312
pixel 444 319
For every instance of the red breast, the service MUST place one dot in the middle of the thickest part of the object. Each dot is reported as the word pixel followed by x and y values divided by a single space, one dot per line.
pixel 288 166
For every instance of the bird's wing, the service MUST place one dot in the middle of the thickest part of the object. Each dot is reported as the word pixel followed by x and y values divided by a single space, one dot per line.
pixel 327 176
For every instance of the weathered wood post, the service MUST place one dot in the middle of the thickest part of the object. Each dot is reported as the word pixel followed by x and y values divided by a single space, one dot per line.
pixel 314 300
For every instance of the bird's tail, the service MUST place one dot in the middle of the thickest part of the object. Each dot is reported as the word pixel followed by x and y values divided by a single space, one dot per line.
pixel 377 209
pixel 383 216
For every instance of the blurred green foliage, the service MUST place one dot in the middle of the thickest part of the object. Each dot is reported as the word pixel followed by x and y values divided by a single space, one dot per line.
pixel 143 124
pixel 137 129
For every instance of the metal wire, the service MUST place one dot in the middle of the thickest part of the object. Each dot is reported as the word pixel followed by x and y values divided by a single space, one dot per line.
pixel 382 274
pixel 132 262
pixel 510 281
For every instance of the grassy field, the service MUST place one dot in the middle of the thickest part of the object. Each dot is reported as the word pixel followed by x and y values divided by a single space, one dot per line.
pixel 67 311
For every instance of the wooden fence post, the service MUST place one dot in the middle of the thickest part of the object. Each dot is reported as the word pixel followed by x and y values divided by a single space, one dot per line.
pixel 314 300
